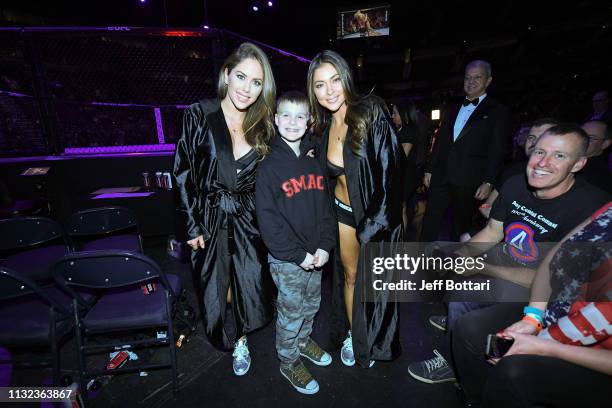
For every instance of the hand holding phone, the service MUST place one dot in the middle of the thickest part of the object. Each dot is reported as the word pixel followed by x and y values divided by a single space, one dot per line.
pixel 497 346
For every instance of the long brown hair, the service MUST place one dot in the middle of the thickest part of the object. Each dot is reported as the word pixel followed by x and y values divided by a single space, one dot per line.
pixel 358 116
pixel 258 126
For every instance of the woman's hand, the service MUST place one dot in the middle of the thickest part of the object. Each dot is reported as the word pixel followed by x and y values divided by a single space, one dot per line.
pixel 521 327
pixel 196 243
pixel 527 344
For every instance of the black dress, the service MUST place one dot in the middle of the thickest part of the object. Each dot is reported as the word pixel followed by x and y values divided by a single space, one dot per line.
pixel 217 200
pixel 374 185
pixel 412 178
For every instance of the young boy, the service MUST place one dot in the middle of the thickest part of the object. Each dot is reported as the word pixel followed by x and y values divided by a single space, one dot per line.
pixel 296 223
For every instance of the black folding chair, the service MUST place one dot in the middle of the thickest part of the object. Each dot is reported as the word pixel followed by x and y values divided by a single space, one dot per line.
pixel 104 228
pixel 33 318
pixel 122 307
pixel 29 245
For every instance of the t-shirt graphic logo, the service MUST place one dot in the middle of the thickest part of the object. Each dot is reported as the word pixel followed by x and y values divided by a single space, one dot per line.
pixel 521 245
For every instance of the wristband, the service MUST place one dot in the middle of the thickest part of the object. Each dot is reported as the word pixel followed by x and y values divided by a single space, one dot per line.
pixel 534 312
pixel 533 322
pixel 485 205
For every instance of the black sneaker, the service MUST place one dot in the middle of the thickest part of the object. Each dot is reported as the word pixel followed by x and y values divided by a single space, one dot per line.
pixel 316 354
pixel 439 322
pixel 433 371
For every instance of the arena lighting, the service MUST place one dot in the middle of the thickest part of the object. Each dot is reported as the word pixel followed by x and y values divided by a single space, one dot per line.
pixel 255 8
pixel 435 114
pixel 270 4
pixel 206 27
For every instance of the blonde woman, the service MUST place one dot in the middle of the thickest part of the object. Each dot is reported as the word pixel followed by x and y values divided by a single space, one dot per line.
pixel 215 164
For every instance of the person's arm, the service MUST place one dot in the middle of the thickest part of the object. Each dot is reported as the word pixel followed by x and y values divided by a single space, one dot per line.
pixel 485 208
pixel 492 234
pixel 185 179
pixel 327 222
pixel 520 276
pixel 593 358
pixel 270 223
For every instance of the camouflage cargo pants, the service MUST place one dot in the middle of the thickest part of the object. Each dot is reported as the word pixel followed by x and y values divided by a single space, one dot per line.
pixel 299 297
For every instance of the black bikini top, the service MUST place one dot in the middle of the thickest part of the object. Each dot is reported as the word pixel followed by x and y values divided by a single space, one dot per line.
pixel 333 170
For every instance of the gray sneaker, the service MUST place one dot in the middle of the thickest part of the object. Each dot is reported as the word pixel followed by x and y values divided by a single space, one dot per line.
pixel 346 353
pixel 433 371
pixel 242 359
pixel 439 322
pixel 299 376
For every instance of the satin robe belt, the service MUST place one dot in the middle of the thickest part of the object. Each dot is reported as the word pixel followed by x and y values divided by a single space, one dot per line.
pixel 228 202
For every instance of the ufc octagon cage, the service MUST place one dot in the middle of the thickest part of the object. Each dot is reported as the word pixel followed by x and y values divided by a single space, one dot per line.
pixel 79 90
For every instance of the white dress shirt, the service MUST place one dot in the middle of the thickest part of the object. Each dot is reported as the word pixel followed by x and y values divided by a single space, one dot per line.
pixel 464 114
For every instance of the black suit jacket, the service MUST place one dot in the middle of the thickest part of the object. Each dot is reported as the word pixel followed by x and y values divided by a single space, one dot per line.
pixel 477 156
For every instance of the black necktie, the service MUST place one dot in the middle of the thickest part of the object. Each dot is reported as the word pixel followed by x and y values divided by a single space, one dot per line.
pixel 474 102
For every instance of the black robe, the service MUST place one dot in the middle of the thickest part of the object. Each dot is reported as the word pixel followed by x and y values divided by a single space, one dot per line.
pixel 217 202
pixel 374 180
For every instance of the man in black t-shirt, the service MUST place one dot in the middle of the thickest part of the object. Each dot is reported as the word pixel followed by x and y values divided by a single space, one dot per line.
pixel 528 219
pixel 545 206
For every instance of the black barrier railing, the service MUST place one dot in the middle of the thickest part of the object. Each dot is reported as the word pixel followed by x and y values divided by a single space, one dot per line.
pixel 92 89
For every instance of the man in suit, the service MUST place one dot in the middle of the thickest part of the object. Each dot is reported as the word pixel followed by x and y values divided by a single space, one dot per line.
pixel 468 155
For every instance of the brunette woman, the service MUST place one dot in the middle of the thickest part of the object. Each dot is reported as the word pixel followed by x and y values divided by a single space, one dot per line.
pixel 362 155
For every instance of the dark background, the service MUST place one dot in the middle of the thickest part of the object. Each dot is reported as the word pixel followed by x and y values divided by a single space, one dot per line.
pixel 558 43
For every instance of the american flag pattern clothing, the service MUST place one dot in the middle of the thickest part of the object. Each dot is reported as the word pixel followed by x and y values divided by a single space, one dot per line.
pixel 582 264
pixel 580 273
pixel 588 324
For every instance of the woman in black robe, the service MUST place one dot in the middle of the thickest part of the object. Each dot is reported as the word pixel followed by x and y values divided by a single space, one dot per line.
pixel 214 167
pixel 363 158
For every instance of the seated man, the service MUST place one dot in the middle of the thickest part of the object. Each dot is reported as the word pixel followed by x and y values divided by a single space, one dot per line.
pixel 543 207
pixel 571 298
pixel 596 170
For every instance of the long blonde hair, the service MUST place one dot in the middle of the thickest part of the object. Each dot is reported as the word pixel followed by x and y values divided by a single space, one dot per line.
pixel 258 126
pixel 358 115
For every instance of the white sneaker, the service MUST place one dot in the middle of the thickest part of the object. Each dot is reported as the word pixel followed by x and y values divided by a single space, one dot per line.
pixel 242 359
pixel 346 353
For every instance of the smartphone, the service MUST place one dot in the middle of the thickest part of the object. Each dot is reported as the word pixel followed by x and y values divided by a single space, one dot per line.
pixel 497 347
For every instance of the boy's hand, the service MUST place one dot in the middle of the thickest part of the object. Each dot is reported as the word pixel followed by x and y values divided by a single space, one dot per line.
pixel 196 243
pixel 308 262
pixel 321 258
